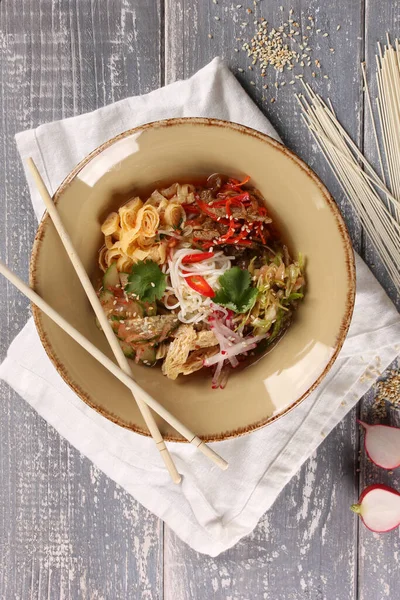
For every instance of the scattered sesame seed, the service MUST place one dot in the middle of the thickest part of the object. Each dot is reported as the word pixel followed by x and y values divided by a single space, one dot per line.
pixel 215 1
pixel 326 77
pixel 153 285
pixel 236 50
pixel 210 36
pixel 217 18
pixel 272 100
pixel 313 74
pixel 276 84
pixel 241 70
pixel 252 83
pixel 325 35
pixel 281 8
pixel 291 11
pixel 338 27
pixel 238 6
pixel 265 87
pixel 308 27
pixel 292 82
pixel 318 31
pixel 332 49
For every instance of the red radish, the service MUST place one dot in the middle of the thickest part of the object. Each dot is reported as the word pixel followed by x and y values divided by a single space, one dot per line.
pixel 379 508
pixel 382 444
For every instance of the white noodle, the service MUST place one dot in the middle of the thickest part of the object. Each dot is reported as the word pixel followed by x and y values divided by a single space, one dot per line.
pixel 193 306
pixel 381 221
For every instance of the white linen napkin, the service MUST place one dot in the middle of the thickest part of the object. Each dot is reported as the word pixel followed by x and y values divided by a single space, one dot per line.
pixel 211 510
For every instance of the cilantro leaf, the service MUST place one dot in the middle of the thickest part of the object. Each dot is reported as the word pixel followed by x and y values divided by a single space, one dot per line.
pixel 236 292
pixel 146 281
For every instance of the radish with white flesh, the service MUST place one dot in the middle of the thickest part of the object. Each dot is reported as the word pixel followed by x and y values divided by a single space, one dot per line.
pixel 379 508
pixel 382 445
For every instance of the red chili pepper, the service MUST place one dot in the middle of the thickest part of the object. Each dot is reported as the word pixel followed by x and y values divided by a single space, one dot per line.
pixel 261 234
pixel 206 208
pixel 234 184
pixel 245 180
pixel 194 258
pixel 191 208
pixel 200 285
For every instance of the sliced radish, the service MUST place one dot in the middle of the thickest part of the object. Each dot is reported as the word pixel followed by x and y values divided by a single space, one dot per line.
pixel 382 444
pixel 379 508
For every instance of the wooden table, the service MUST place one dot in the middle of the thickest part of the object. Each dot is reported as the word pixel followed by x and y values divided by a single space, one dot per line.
pixel 66 530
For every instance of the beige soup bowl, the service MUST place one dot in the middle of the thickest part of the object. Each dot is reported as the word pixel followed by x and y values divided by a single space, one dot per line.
pixel 179 149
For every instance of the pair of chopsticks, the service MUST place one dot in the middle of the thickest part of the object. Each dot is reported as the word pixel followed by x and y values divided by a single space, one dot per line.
pixel 123 372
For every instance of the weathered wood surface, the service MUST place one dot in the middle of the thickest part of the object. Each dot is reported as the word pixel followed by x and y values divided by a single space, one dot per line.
pixel 65 529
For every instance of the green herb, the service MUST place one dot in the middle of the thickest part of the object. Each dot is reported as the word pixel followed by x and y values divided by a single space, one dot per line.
pixel 236 292
pixel 146 281
pixel 294 296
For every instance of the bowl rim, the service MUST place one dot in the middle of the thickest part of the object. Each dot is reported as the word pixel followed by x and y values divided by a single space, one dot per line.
pixel 265 138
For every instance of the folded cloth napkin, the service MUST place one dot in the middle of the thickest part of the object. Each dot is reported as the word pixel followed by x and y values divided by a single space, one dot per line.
pixel 211 510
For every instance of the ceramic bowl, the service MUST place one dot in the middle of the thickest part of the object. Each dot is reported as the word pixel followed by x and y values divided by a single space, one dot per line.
pixel 309 218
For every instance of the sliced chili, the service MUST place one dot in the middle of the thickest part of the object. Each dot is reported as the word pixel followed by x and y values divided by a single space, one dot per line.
pixel 194 258
pixel 200 285
pixel 191 208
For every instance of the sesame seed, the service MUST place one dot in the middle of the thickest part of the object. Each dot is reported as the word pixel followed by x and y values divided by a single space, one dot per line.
pixel 210 36
pixel 325 35
pixel 338 27
pixel 326 77
pixel 318 31
pixel 241 70
pixel 153 285
pixel 238 6
pixel 252 83
pixel 217 18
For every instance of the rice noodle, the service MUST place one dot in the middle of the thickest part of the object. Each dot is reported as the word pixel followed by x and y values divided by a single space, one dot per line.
pixel 194 307
pixel 360 182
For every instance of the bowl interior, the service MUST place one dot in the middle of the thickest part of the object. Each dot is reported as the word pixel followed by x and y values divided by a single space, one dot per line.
pixel 182 149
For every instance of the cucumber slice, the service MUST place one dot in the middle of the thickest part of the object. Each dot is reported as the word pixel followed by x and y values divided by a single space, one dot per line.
pixel 107 301
pixel 111 277
pixel 127 350
pixel 106 296
pixel 147 356
pixel 149 308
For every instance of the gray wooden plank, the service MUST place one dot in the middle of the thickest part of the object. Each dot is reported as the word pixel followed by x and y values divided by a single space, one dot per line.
pixel 379 562
pixel 306 546
pixel 66 530
pixel 378 554
pixel 303 548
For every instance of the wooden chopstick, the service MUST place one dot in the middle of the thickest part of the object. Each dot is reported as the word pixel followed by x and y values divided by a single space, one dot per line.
pixel 112 367
pixel 105 325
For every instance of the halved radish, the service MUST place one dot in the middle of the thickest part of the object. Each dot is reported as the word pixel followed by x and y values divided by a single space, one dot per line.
pixel 379 508
pixel 382 444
